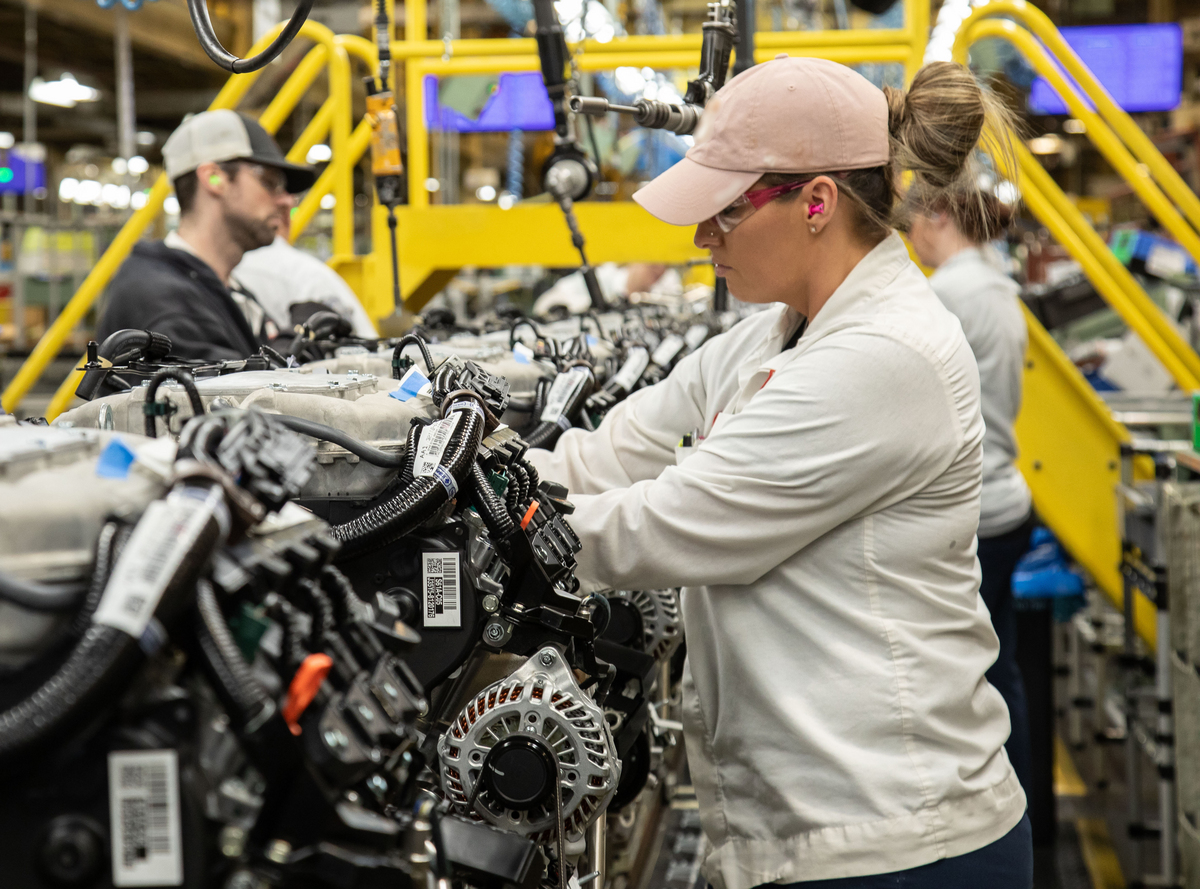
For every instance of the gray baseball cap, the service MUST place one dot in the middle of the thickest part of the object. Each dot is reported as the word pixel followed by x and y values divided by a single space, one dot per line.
pixel 226 135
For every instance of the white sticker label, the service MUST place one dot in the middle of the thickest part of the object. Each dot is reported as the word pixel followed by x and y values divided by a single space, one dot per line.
pixel 695 336
pixel 439 582
pixel 668 349
pixel 566 385
pixel 143 804
pixel 167 531
pixel 635 365
pixel 435 438
pixel 1166 262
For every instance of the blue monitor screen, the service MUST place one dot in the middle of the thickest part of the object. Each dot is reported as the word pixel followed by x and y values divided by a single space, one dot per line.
pixel 1141 66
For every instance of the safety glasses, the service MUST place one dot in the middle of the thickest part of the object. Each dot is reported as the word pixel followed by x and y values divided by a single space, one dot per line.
pixel 745 205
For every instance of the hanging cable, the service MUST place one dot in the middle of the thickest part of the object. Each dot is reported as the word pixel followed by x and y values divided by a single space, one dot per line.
pixel 211 44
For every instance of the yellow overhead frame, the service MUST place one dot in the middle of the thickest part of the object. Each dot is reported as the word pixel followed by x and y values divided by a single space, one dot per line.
pixel 437 240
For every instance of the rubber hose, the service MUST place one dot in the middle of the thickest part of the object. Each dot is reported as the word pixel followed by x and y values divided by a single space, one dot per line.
pixel 359 448
pixel 407 340
pixel 123 343
pixel 522 479
pixel 180 376
pixel 112 540
pixel 37 596
pixel 99 665
pixel 233 680
pixel 535 480
pixel 417 501
pixel 499 523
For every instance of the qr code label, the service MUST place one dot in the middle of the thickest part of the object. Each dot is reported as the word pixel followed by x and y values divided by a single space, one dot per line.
pixel 143 793
pixel 439 581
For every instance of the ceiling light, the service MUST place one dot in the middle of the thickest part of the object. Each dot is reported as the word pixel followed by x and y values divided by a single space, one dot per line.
pixel 67 188
pixel 319 154
pixel 485 193
pixel 66 92
pixel 1074 126
pixel 145 137
pixel 138 165
pixel 1050 143
pixel 120 166
pixel 7 141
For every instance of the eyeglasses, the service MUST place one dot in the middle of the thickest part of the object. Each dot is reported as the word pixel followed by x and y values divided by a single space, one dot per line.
pixel 745 205
pixel 271 178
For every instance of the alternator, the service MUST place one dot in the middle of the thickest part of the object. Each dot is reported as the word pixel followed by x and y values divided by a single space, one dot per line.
pixel 504 750
pixel 660 621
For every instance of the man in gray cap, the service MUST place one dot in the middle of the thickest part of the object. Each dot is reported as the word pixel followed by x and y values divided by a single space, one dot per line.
pixel 233 185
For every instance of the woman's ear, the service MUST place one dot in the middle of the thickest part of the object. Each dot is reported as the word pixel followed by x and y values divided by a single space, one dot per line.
pixel 822 203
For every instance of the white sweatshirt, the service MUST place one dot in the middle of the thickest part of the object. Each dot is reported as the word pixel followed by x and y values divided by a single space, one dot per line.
pixel 986 303
pixel 837 718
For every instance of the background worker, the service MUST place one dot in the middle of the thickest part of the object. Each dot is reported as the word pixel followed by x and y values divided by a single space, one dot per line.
pixel 971 284
pixel 840 731
pixel 232 183
pixel 291 284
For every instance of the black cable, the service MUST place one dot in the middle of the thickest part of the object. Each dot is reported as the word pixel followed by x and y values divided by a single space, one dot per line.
pixel 233 679
pixel 601 603
pixel 358 448
pixel 120 345
pixel 407 340
pixel 40 596
pixel 519 323
pixel 489 505
pixel 180 376
pixel 272 355
pixel 211 44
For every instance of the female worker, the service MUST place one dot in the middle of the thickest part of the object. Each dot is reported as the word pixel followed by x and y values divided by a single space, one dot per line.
pixel 970 283
pixel 839 728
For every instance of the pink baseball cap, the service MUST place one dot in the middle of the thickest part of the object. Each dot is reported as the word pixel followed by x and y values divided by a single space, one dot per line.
pixel 783 116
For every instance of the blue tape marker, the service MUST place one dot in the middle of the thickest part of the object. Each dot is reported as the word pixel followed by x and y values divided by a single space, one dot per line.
pixel 410 386
pixel 447 480
pixel 115 460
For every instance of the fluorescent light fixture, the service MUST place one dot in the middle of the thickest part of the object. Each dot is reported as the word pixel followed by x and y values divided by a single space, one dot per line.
pixel 319 154
pixel 67 189
pixel 66 92
pixel 88 192
pixel 1051 143
pixel 138 165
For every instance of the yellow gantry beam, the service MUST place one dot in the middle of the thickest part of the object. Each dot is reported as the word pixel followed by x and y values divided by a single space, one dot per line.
pixel 423 56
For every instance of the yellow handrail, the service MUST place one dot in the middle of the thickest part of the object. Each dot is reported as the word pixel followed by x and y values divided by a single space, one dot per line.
pixel 1104 270
pixel 1114 151
pixel 1143 149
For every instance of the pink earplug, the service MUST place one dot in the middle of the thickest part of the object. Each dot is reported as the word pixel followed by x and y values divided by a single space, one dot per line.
pixel 816 208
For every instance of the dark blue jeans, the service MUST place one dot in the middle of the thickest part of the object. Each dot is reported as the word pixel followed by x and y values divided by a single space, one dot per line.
pixel 1005 864
pixel 998 557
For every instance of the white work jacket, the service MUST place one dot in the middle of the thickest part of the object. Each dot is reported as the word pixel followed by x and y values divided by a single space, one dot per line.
pixel 836 714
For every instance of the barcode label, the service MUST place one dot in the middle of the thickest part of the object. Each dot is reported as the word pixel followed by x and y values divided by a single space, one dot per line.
pixel 439 580
pixel 143 802
pixel 164 535
pixel 668 349
pixel 564 389
pixel 635 365
pixel 435 438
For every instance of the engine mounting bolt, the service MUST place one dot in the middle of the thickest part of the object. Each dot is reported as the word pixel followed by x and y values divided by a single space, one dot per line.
pixel 233 842
pixel 494 632
pixel 491 602
pixel 422 707
pixel 547 658
pixel 279 850
pixel 365 712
